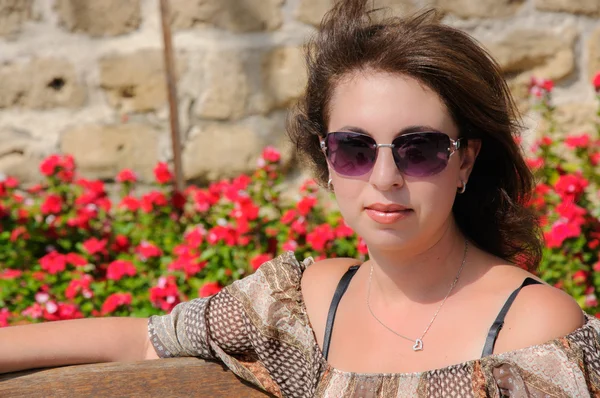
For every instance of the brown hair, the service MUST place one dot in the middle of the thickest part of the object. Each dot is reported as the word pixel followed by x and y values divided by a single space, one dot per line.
pixel 492 212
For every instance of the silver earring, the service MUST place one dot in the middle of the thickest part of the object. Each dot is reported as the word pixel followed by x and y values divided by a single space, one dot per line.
pixel 329 185
pixel 464 188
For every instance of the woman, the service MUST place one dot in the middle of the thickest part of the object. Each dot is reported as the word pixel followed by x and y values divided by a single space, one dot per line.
pixel 411 125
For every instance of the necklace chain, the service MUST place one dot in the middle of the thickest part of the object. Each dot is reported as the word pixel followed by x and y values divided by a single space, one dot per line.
pixel 418 346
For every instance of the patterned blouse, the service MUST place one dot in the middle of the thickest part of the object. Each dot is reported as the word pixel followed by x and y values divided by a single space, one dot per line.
pixel 258 327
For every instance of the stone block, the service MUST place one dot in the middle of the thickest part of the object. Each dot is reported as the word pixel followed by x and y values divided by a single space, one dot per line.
pixel 21 154
pixel 99 17
pixel 523 54
pixel 136 82
pixel 312 11
pixel 220 150
pixel 101 151
pixel 478 8
pixel 593 47
pixel 226 86
pixel 13 13
pixel 284 75
pixel 584 7
pixel 233 15
pixel 42 83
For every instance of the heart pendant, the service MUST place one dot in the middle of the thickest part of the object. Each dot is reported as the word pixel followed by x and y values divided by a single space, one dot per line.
pixel 418 345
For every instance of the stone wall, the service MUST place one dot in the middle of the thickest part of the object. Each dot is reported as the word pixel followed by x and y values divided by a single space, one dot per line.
pixel 86 76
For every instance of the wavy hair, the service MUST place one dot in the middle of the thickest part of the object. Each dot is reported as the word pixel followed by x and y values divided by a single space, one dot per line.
pixel 493 212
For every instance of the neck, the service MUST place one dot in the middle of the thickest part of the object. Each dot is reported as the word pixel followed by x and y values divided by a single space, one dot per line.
pixel 420 273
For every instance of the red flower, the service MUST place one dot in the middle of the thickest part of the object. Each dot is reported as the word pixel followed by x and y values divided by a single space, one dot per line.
pixel 570 186
pixel 362 246
pixel 75 259
pixel 49 165
pixel 119 268
pixel 77 286
pixel 271 155
pixel 577 141
pixel 52 205
pixel 320 236
pixel 94 245
pixel 596 82
pixel 561 231
pixel 147 250
pixel 121 244
pixel 195 237
pixel 259 259
pixel 152 200
pixel 580 277
pixel 162 173
pixel 53 262
pixel 306 204
pixel 115 301
pixel 289 216
pixel 19 233
pixel 130 203
pixel 535 163
pixel 343 231
pixel 10 274
pixel 290 245
pixel 165 295
pixel 222 233
pixel 209 288
pixel 4 316
pixel 126 175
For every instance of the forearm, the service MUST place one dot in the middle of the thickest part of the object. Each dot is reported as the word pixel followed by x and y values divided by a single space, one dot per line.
pixel 73 342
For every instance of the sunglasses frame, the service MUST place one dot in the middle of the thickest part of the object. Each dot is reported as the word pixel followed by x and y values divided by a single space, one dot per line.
pixel 455 145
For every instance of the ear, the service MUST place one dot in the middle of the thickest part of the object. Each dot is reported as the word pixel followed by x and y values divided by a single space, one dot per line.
pixel 467 159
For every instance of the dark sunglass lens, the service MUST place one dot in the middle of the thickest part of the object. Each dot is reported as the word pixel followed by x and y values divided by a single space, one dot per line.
pixel 422 154
pixel 350 154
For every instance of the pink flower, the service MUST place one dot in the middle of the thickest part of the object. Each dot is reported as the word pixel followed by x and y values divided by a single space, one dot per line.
pixel 162 173
pixel 362 246
pixel 271 155
pixel 195 237
pixel 224 234
pixel 577 141
pixel 34 311
pixel 259 259
pixel 289 216
pixel 115 301
pixel 126 175
pixel 77 286
pixel 209 288
pixel 290 245
pixel 561 231
pixel 19 233
pixel 152 200
pixel 53 262
pixel 119 268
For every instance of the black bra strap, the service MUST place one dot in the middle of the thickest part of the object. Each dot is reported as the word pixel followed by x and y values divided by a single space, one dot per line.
pixel 492 336
pixel 337 296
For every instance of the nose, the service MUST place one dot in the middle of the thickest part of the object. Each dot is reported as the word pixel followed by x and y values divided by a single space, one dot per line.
pixel 385 174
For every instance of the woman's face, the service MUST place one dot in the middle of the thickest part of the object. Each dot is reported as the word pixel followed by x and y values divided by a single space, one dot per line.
pixel 384 106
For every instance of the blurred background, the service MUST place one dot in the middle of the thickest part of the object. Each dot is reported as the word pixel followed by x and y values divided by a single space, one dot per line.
pixel 86 77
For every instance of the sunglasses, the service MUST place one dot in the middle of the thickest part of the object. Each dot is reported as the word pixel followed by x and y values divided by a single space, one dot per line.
pixel 421 154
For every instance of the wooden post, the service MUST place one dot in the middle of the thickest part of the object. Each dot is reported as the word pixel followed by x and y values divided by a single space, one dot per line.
pixel 170 73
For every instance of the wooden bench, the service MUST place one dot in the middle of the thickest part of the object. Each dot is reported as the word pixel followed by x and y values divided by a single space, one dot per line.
pixel 174 377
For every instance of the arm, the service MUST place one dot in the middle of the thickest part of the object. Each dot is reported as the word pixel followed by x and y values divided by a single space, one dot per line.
pixel 74 342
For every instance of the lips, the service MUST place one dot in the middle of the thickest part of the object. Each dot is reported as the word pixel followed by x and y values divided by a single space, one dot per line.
pixel 387 213
pixel 386 208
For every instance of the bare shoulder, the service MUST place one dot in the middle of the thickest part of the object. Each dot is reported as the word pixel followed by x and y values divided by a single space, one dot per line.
pixel 540 313
pixel 318 285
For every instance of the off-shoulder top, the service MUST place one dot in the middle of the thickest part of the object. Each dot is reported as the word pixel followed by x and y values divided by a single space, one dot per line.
pixel 259 328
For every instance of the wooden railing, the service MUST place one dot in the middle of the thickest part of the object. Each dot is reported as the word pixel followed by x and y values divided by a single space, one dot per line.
pixel 176 377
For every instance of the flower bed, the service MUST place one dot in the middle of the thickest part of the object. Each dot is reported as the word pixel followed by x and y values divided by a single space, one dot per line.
pixel 67 251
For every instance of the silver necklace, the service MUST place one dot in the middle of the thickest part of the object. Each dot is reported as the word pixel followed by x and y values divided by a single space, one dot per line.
pixel 418 346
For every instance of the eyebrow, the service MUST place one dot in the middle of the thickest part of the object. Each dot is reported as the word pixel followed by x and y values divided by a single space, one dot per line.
pixel 406 130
